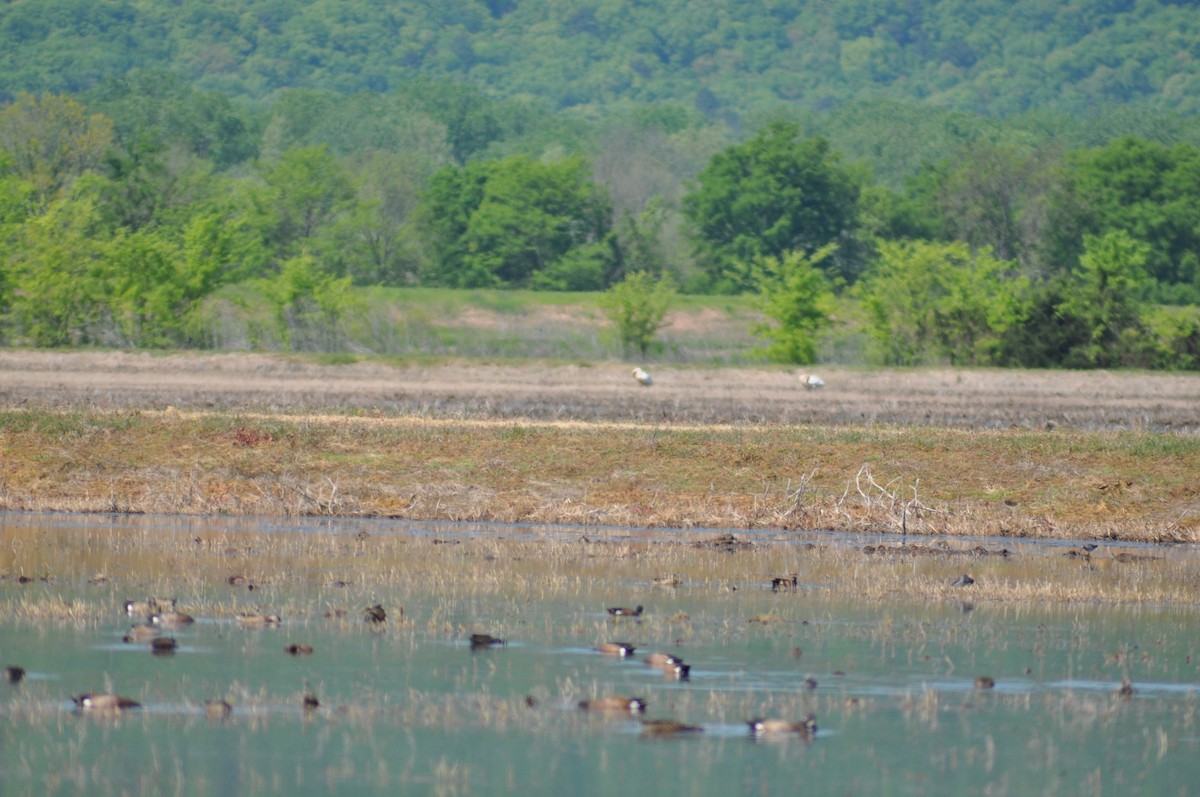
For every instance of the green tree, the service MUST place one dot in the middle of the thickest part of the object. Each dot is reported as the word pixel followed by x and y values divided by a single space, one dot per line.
pixel 518 223
pixel 772 195
pixel 797 296
pixel 303 193
pixel 54 267
pixel 932 302
pixel 1104 297
pixel 1150 191
pixel 637 305
pixel 53 140
pixel 310 305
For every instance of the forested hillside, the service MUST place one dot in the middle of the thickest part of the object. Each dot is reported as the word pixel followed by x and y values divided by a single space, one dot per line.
pixel 732 60
pixel 989 183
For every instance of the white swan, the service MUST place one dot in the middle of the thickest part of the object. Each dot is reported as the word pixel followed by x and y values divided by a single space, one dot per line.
pixel 642 377
pixel 811 381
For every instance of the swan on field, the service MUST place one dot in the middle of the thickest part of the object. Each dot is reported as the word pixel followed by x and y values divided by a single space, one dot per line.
pixel 642 377
pixel 811 381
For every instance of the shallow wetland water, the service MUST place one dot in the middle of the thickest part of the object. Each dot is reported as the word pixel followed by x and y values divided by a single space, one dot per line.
pixel 879 646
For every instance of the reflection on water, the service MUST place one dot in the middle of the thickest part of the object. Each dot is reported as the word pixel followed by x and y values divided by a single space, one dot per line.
pixel 411 707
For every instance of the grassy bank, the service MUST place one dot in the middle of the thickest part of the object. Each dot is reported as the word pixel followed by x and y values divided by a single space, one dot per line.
pixel 1025 483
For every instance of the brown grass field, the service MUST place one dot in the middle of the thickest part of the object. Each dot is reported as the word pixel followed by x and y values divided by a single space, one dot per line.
pixel 1100 455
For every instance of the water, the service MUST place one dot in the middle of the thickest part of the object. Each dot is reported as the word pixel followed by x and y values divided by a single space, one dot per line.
pixel 412 709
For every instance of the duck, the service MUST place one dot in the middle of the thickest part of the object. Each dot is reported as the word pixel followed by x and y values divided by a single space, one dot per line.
pixel 616 649
pixel 375 614
pixel 309 701
pixel 668 728
pixel 784 582
pixel 985 682
pixel 259 620
pixel 760 726
pixel 149 607
pixel 485 641
pixel 299 649
pixel 672 666
pixel 633 705
pixel 670 580
pixel 171 619
pixel 104 703
pixel 217 709
pixel 622 611
pixel 662 660
pixel 14 674
pixel 140 632
pixel 163 646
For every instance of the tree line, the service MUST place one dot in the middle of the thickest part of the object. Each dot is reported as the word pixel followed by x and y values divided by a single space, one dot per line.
pixel 135 215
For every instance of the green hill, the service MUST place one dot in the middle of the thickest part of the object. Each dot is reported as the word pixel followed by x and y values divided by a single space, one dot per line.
pixel 733 61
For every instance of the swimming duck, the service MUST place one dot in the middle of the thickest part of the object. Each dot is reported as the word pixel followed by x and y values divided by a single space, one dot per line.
pixel 662 660
pixel 140 632
pixel 616 649
pixel 634 705
pixel 149 606
pixel 171 619
pixel 259 620
pixel 679 671
pixel 784 582
pixel 985 682
pixel 375 614
pixel 485 641
pixel 14 674
pixel 760 726
pixel 217 709
pixel 104 703
pixel 622 611
pixel 667 728
pixel 299 649
pixel 163 646
pixel 672 580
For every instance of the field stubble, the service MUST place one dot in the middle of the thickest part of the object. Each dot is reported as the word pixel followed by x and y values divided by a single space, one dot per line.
pixel 1110 456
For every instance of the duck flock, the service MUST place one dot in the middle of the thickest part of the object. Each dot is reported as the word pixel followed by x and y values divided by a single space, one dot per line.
pixel 158 617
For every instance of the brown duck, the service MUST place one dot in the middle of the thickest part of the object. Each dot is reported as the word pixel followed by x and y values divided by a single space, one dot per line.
pixel 104 703
pixel 485 641
pixel 621 649
pixel 622 611
pixel 171 619
pixel 259 620
pixel 217 709
pixel 668 728
pixel 140 633
pixel 760 726
pixel 149 606
pixel 633 705
pixel 163 646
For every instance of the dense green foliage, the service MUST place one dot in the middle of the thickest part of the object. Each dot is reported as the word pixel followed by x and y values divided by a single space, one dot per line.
pixel 728 60
pixel 164 167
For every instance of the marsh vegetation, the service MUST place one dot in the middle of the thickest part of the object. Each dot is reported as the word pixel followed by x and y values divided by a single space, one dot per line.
pixel 874 641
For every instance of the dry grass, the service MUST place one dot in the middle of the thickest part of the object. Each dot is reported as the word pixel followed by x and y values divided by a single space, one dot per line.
pixel 928 481
pixel 302 576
